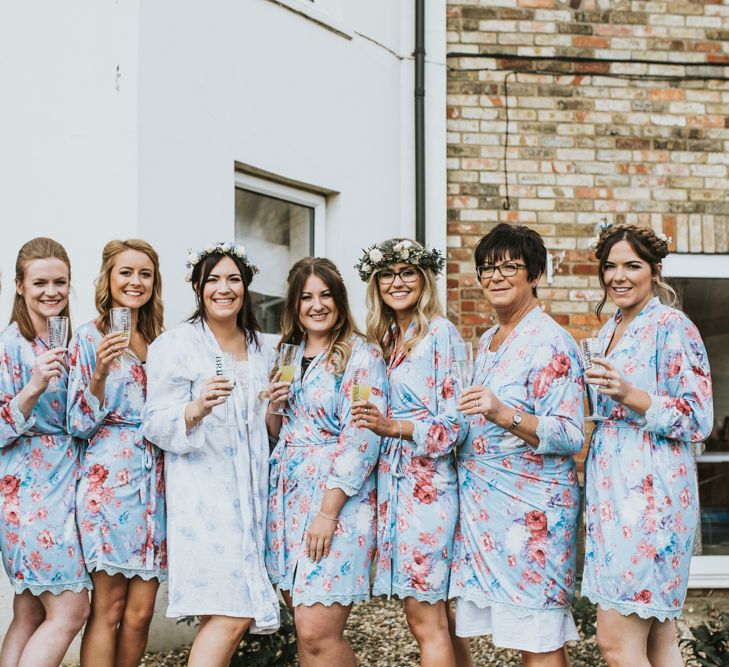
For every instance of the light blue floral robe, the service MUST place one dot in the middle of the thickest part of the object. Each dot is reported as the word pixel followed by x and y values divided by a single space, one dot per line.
pixel 320 448
pixel 120 500
pixel 517 537
pixel 640 478
pixel 216 478
pixel 38 469
pixel 417 494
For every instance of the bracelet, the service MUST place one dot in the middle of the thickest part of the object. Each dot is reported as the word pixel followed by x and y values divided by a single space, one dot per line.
pixel 326 516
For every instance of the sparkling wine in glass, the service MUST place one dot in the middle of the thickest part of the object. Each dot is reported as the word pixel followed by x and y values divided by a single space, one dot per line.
pixel 591 348
pixel 286 363
pixel 360 386
pixel 121 322
pixel 462 368
pixel 57 337
pixel 225 367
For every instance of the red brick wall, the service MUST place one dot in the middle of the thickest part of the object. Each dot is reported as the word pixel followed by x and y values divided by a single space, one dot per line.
pixel 585 142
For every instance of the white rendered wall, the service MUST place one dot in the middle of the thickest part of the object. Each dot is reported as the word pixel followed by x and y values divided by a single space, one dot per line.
pixel 89 152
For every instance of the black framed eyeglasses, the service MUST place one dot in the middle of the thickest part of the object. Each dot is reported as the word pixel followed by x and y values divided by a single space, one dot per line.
pixel 506 269
pixel 408 275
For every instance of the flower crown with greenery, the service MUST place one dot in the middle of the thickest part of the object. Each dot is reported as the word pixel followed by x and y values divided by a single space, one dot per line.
pixel 384 254
pixel 603 229
pixel 221 248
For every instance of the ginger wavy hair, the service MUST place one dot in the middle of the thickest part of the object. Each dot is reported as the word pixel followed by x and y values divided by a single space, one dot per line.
pixel 381 322
pixel 650 247
pixel 339 349
pixel 38 248
pixel 150 322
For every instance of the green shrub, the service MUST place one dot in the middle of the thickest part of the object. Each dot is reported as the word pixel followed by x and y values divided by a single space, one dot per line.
pixel 585 615
pixel 710 643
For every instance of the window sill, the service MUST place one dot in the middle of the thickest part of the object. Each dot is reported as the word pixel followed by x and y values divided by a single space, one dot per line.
pixel 310 11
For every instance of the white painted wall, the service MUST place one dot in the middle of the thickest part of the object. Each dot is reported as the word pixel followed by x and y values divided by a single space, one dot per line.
pixel 88 153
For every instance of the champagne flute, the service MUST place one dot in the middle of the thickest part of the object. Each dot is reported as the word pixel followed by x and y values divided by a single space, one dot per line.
pixel 591 347
pixel 121 322
pixel 360 385
pixel 462 365
pixel 225 367
pixel 286 363
pixel 57 337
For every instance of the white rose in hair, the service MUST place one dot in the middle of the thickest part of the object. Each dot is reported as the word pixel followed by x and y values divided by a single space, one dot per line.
pixel 375 255
pixel 404 254
pixel 226 247
pixel 240 251
pixel 193 258
pixel 407 244
pixel 366 268
pixel 188 276
pixel 209 247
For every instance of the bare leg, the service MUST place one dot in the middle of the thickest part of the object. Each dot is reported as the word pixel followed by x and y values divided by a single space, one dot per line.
pixel 429 625
pixel 28 614
pixel 461 647
pixel 66 614
pixel 134 627
pixel 216 641
pixel 108 599
pixel 623 640
pixel 663 648
pixel 551 659
pixel 320 634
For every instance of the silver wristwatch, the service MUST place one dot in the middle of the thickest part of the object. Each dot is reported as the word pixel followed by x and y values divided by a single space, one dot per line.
pixel 515 420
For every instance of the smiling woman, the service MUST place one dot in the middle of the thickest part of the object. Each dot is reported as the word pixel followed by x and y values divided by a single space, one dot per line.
pixel 121 496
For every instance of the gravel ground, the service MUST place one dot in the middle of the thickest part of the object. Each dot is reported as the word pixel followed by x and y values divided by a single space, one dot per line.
pixel 380 638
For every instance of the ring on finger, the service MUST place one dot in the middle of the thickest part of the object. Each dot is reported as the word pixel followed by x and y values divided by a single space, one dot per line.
pixel 367 411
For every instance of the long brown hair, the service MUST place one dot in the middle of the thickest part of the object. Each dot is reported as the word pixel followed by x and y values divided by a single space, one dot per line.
pixel 339 349
pixel 381 322
pixel 150 322
pixel 650 247
pixel 37 248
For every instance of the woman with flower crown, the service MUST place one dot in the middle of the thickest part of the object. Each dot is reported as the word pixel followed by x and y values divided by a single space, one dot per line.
pixel 514 558
pixel 642 504
pixel 120 502
pixel 322 502
pixel 417 494
pixel 212 428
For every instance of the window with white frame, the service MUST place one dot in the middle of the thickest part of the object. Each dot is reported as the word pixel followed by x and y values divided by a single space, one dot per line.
pixel 702 283
pixel 278 226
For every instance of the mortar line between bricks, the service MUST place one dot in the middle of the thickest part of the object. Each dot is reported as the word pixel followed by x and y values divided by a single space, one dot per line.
pixel 583 59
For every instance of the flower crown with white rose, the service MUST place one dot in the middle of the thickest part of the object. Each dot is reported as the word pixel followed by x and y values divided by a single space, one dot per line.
pixel 390 252
pixel 221 248
pixel 659 243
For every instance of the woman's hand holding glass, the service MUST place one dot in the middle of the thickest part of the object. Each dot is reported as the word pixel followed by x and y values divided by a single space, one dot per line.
pixel 47 366
pixel 110 348
pixel 215 392
pixel 278 393
pixel 478 400
pixel 367 415
pixel 608 379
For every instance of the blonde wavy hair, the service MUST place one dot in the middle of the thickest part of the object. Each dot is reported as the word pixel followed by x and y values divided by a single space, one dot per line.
pixel 648 245
pixel 37 248
pixel 339 349
pixel 381 322
pixel 150 322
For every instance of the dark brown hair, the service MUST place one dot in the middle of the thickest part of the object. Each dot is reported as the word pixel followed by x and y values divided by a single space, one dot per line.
pixel 37 248
pixel 246 318
pixel 650 247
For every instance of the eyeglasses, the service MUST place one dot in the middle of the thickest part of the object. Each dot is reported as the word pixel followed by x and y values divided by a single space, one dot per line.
pixel 406 275
pixel 506 269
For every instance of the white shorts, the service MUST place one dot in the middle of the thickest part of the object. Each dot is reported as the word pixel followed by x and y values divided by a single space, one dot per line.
pixel 540 632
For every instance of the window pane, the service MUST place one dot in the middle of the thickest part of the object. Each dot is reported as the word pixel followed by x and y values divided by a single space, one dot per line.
pixel 706 302
pixel 276 233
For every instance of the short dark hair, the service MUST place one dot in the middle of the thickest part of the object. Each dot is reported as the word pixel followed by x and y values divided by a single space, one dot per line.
pixel 517 241
pixel 246 318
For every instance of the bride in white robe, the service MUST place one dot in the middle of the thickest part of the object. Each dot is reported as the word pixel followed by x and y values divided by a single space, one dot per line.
pixel 216 466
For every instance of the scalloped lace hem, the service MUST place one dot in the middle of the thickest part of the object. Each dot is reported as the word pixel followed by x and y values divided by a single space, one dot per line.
pixel 129 573
pixel 520 611
pixel 55 589
pixel 628 608
pixel 402 593
pixel 329 600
